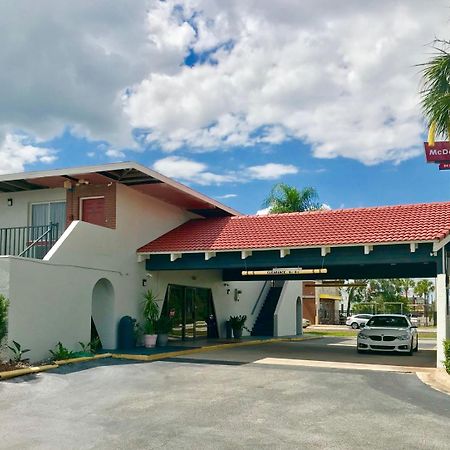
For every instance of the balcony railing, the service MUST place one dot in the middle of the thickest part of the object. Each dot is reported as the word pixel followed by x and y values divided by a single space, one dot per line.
pixel 29 242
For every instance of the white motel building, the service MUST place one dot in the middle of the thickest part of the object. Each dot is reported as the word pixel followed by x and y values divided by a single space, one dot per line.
pixel 80 246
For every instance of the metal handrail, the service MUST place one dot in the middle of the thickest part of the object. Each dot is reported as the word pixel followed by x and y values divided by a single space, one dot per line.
pixel 259 296
pixel 33 241
pixel 36 241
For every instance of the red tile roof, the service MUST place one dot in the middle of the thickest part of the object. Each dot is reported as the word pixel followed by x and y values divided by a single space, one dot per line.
pixel 385 224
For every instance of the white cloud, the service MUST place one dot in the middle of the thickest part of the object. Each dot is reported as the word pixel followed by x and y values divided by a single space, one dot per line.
pixel 67 64
pixel 191 171
pixel 339 77
pixel 271 171
pixel 114 153
pixel 225 196
pixel 263 212
pixel 17 150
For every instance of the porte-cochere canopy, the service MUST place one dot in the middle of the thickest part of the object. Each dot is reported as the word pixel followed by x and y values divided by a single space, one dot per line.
pixel 388 241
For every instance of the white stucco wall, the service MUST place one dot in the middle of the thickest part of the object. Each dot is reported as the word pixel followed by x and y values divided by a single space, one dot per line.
pixel 285 323
pixel 51 300
pixel 443 317
pixel 18 214
pixel 49 303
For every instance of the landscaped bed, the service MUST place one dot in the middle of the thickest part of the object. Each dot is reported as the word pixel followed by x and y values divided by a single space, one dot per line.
pixel 8 366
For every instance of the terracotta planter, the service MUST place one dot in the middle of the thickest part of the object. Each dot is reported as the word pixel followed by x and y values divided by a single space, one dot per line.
pixel 150 340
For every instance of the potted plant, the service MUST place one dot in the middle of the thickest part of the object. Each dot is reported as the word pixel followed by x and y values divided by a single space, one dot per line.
pixel 151 312
pixel 237 325
pixel 163 326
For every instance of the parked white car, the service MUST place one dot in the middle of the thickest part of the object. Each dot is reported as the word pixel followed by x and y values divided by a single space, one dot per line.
pixel 305 323
pixel 388 333
pixel 356 320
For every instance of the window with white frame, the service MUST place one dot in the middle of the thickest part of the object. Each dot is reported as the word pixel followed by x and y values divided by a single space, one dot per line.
pixel 43 214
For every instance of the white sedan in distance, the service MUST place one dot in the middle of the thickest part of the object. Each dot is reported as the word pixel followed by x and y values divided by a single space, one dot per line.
pixel 388 333
pixel 356 320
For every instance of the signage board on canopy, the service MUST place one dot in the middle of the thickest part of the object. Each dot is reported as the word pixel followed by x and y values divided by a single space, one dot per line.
pixel 444 166
pixel 439 152
pixel 286 271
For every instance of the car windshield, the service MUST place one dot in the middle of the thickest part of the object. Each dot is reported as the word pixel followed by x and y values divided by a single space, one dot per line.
pixel 388 321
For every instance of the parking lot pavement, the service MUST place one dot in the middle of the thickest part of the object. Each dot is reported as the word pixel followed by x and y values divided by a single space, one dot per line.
pixel 166 405
pixel 324 349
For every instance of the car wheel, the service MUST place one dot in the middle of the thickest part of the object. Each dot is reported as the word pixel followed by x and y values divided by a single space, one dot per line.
pixel 416 348
pixel 411 348
pixel 355 326
pixel 360 351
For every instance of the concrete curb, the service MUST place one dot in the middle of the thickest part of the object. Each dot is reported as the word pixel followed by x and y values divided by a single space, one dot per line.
pixel 158 356
pixel 437 379
pixel 29 370
pixel 62 362
pixel 205 349
pixel 26 371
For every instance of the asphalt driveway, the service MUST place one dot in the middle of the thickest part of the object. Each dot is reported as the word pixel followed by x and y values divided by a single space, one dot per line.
pixel 335 349
pixel 221 403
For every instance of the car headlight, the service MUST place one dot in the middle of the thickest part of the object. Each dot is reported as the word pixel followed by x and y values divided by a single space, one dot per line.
pixel 363 336
pixel 403 337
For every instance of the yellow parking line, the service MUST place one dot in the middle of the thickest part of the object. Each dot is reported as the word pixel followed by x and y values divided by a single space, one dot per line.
pixel 209 348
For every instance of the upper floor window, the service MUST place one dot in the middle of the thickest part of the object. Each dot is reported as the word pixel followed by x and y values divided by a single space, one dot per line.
pixel 43 214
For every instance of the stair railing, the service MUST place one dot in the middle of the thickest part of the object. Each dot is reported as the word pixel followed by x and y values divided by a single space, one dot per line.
pixel 50 235
pixel 266 283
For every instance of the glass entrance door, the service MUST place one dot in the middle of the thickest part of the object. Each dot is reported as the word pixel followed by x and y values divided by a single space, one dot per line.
pixel 189 308
pixel 192 310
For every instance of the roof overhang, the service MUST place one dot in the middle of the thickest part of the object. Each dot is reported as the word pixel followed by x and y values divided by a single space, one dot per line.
pixel 367 248
pixel 130 174
pixel 343 262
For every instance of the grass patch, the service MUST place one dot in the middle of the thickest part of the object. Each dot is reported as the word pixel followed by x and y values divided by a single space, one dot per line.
pixel 337 333
pixel 350 333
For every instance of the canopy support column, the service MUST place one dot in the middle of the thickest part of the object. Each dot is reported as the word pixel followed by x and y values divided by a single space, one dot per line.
pixel 442 310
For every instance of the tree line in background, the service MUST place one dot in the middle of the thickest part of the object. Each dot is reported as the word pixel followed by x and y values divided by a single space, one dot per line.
pixel 393 295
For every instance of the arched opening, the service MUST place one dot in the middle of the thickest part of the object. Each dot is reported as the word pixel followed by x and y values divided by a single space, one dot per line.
pixel 102 323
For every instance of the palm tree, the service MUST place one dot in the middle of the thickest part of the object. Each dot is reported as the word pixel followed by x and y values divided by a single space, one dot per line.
pixel 406 284
pixel 436 91
pixel 284 199
pixel 424 288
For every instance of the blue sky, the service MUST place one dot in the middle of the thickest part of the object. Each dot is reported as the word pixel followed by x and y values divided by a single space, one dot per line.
pixel 341 183
pixel 227 98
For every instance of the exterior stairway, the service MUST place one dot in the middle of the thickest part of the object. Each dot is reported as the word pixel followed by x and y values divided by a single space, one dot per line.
pixel 264 322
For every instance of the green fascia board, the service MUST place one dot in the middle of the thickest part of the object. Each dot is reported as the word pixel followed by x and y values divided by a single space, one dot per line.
pixel 305 258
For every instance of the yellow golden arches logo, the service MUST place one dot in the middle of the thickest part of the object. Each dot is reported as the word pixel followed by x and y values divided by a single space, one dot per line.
pixel 432 133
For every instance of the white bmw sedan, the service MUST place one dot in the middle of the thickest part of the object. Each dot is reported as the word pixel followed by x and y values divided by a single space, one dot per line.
pixel 388 333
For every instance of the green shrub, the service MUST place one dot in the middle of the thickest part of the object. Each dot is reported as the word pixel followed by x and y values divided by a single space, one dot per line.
pixel 95 345
pixel 237 322
pixel 18 352
pixel 149 327
pixel 60 352
pixel 4 304
pixel 447 355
